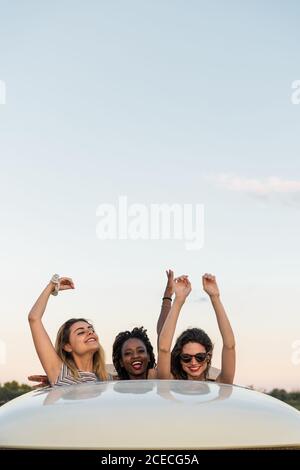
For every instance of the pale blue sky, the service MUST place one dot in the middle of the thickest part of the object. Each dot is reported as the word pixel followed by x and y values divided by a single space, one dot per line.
pixel 153 100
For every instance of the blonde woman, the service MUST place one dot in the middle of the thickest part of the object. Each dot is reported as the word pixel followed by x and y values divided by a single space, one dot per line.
pixel 133 343
pixel 78 356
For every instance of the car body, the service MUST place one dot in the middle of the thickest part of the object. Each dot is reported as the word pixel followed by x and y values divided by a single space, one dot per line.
pixel 148 414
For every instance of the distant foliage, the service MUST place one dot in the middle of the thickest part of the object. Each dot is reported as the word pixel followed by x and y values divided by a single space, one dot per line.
pixel 292 398
pixel 11 390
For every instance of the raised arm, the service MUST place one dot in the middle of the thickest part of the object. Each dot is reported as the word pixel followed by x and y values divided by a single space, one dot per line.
pixel 182 288
pixel 166 302
pixel 43 345
pixel 228 351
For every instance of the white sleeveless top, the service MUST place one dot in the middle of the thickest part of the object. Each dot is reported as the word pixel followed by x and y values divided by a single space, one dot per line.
pixel 67 378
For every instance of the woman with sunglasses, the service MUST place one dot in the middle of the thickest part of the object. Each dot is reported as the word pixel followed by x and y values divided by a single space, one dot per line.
pixel 191 356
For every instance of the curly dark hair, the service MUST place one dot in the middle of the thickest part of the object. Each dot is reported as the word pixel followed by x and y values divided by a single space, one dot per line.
pixel 192 335
pixel 138 333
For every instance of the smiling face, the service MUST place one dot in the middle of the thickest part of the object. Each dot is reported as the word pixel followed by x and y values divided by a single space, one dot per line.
pixel 135 358
pixel 82 339
pixel 194 369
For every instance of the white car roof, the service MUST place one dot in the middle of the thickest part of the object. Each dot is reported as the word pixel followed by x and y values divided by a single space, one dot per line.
pixel 148 414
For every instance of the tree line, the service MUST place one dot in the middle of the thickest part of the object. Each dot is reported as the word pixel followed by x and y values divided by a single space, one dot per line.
pixel 11 390
pixel 292 398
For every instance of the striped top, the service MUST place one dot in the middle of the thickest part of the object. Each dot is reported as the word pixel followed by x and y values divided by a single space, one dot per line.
pixel 67 378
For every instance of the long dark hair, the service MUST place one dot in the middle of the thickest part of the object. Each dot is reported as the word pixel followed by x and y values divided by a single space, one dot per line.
pixel 192 335
pixel 138 333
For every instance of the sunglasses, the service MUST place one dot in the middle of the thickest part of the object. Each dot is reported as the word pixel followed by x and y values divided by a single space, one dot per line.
pixel 200 357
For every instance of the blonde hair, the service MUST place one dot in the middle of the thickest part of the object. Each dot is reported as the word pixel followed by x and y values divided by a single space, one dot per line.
pixel 62 339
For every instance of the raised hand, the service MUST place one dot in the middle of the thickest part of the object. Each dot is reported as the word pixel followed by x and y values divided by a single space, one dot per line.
pixel 48 356
pixel 169 291
pixel 182 287
pixel 228 350
pixel 66 283
pixel 166 301
pixel 210 285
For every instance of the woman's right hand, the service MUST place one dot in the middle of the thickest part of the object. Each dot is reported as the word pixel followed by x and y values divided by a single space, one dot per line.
pixel 182 287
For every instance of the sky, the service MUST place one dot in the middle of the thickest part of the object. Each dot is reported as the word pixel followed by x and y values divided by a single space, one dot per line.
pixel 161 102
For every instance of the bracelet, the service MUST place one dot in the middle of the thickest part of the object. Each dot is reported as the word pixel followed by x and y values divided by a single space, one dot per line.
pixel 167 298
pixel 55 280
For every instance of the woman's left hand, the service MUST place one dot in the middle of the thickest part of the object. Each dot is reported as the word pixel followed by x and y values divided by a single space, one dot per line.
pixel 43 379
pixel 210 285
pixel 66 283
